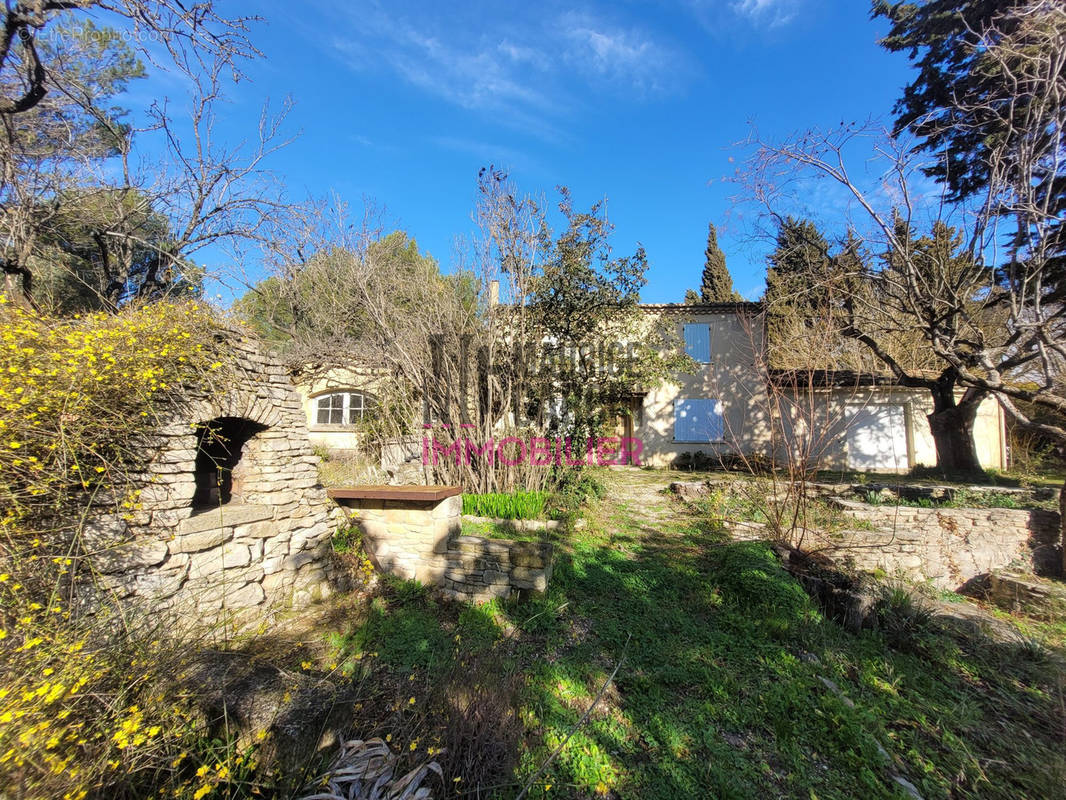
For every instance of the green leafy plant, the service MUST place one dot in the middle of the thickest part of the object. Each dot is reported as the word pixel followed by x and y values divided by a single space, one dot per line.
pixel 506 505
pixel 572 491
pixel 347 540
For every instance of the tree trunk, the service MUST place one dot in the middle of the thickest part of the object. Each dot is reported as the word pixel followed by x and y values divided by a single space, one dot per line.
pixel 951 424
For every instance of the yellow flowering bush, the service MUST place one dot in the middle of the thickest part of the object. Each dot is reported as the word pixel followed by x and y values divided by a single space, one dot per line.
pixel 85 708
pixel 74 394
pixel 82 716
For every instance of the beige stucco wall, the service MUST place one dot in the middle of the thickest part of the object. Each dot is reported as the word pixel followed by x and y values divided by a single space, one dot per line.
pixel 825 412
pixel 733 377
pixel 989 433
pixel 335 438
pixel 736 377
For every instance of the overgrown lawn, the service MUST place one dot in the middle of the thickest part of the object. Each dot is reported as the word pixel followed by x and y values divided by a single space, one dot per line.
pixel 732 683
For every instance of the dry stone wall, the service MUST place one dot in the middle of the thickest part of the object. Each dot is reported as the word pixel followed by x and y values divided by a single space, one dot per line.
pixel 421 540
pixel 950 546
pixel 481 569
pixel 268 546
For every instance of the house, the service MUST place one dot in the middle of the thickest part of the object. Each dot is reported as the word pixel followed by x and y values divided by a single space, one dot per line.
pixel 730 406
pixel 335 404
pixel 865 422
pixel 718 410
pixel 734 405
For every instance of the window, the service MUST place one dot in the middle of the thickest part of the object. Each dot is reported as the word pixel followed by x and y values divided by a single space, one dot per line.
pixel 341 408
pixel 698 342
pixel 698 420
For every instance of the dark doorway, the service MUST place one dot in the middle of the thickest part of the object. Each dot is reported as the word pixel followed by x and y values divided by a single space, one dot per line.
pixel 219 448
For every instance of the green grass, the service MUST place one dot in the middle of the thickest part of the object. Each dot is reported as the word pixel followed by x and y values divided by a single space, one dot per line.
pixel 720 694
pixel 506 505
pixel 753 505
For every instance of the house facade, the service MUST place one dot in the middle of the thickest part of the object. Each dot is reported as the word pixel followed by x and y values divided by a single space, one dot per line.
pixel 733 406
pixel 719 410
pixel 729 407
pixel 335 404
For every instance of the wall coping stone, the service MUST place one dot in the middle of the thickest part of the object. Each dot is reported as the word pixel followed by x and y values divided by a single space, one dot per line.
pixel 517 524
pixel 225 516
pixel 432 493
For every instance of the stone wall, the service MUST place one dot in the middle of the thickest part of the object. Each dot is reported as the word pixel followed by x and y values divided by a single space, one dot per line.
pixel 421 540
pixel 949 546
pixel 1036 597
pixel 481 569
pixel 407 537
pixel 267 548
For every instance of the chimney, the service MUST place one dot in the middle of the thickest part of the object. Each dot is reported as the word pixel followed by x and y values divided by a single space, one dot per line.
pixel 494 293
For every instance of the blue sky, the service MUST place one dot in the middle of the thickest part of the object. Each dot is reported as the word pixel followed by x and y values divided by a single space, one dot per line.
pixel 643 103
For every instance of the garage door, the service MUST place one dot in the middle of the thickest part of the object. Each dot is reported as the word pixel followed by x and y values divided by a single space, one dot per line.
pixel 877 438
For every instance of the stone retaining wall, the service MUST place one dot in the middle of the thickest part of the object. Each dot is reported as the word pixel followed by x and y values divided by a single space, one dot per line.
pixel 420 540
pixel 950 546
pixel 516 524
pixel 1034 596
pixel 268 548
pixel 481 569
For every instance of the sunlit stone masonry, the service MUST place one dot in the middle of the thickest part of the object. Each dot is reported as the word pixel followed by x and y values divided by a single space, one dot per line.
pixel 414 532
pixel 232 517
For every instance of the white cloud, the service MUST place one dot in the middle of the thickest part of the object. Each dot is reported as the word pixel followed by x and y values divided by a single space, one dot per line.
pixel 773 12
pixel 524 70
pixel 628 57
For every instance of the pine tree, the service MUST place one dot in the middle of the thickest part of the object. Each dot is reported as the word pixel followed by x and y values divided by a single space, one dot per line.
pixel 797 283
pixel 716 285
pixel 799 268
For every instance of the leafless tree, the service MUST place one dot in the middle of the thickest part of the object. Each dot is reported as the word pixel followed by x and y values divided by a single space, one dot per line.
pixel 436 349
pixel 998 325
pixel 190 34
pixel 68 154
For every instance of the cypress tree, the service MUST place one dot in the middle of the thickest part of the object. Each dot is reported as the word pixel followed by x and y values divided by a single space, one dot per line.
pixel 716 285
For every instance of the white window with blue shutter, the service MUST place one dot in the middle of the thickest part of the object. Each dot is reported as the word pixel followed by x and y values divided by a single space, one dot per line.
pixel 698 420
pixel 698 341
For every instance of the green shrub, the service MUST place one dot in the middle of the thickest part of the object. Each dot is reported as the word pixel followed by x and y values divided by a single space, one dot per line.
pixel 904 618
pixel 509 505
pixel 347 540
pixel 750 575
pixel 573 489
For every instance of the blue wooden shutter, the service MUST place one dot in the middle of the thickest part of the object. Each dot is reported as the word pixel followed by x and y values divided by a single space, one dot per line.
pixel 698 341
pixel 698 420
pixel 682 420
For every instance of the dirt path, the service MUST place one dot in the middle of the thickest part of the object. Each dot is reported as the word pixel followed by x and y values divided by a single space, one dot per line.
pixel 640 493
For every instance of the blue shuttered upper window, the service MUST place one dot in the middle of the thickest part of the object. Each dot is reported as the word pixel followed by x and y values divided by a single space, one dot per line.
pixel 698 341
pixel 698 420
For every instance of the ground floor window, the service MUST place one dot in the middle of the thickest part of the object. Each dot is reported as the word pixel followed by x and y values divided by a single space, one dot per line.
pixel 698 420
pixel 341 408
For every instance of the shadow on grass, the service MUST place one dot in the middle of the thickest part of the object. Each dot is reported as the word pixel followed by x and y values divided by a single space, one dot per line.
pixel 721 693
pixel 733 684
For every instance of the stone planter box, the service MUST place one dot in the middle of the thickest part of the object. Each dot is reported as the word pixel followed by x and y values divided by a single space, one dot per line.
pixel 516 524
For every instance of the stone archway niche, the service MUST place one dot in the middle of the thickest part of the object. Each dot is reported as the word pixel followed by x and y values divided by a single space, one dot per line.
pixel 224 468
pixel 233 517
